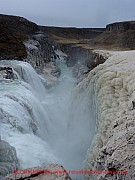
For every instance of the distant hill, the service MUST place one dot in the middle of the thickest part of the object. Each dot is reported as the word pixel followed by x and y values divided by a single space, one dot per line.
pixel 116 36
pixel 72 34
pixel 120 35
pixel 15 30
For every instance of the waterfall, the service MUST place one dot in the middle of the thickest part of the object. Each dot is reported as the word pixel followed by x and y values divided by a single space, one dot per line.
pixel 24 122
pixel 27 74
pixel 73 120
pixel 47 123
pixel 81 124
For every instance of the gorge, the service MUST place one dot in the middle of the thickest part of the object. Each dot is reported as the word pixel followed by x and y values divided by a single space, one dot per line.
pixel 64 101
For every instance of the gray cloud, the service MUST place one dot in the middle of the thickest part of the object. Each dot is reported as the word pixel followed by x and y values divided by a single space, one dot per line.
pixel 79 13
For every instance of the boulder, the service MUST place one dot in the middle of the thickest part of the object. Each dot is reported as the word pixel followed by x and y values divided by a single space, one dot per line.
pixel 8 159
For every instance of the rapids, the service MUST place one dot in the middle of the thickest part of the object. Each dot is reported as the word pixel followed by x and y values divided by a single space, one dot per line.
pixel 45 126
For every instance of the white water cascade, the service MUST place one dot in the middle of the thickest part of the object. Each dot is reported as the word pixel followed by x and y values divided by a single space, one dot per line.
pixel 44 126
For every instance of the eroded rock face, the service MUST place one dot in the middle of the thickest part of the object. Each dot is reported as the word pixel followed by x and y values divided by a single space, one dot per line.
pixel 50 74
pixel 48 172
pixel 75 54
pixel 22 40
pixel 79 70
pixel 113 86
pixel 121 26
pixel 8 159
pixel 39 51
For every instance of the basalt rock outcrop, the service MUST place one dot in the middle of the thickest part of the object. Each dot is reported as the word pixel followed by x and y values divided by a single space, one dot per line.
pixel 40 51
pixel 121 26
pixel 119 36
pixel 76 54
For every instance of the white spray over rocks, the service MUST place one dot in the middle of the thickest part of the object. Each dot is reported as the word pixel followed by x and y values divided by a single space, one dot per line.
pixel 36 121
pixel 24 122
pixel 101 117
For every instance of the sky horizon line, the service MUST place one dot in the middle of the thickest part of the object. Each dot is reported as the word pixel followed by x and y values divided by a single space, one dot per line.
pixel 62 26
pixel 71 13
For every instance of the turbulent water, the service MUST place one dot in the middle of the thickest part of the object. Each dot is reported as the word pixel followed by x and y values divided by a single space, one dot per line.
pixel 45 126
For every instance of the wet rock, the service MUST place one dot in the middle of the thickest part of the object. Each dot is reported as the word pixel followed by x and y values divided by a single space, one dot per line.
pixel 8 158
pixel 40 51
pixel 79 70
pixel 50 74
pixel 6 72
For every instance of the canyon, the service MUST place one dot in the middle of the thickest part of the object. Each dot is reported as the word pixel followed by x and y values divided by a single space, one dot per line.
pixel 67 97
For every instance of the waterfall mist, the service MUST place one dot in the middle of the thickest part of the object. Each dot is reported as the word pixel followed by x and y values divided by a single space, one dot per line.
pixel 55 125
pixel 73 120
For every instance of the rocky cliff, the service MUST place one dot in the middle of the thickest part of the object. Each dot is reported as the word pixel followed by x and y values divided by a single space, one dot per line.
pixel 76 54
pixel 112 148
pixel 121 26
pixel 22 40
pixel 69 41
pixel 118 36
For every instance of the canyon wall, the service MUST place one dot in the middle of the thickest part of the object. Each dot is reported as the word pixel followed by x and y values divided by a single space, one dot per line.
pixel 69 41
pixel 59 33
pixel 75 54
pixel 112 85
pixel 118 36
pixel 22 40
pixel 121 26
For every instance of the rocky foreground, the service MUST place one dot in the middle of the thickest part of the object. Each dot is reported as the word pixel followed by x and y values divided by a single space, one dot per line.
pixel 48 172
pixel 8 159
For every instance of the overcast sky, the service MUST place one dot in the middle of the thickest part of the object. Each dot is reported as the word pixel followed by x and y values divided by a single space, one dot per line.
pixel 77 13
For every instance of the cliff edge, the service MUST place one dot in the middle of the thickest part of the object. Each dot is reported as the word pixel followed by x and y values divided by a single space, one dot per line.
pixel 113 86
